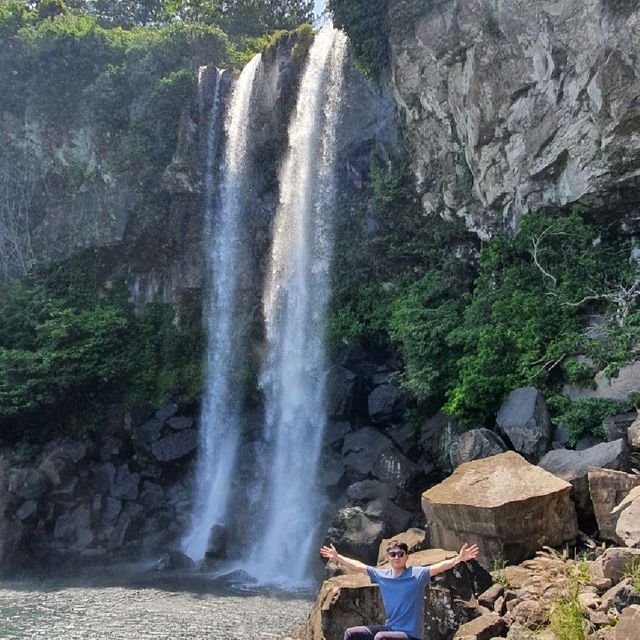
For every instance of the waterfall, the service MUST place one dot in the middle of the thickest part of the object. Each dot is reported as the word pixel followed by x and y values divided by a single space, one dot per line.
pixel 220 421
pixel 294 303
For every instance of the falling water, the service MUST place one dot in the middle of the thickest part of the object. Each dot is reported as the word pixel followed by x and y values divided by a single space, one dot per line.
pixel 294 304
pixel 220 418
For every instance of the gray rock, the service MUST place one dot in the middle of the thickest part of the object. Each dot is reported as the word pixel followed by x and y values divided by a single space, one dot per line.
pixel 356 534
pixel 180 423
pixel 111 511
pixel 367 490
pixel 175 561
pixel 616 427
pixel 394 468
pixel 218 541
pixel 111 448
pixel 573 466
pixel 362 448
pixel 335 433
pixel 396 520
pixel 436 437
pixel 523 418
pixel 385 404
pixel 27 483
pixel 152 495
pixel 345 394
pixel 175 445
pixel 104 476
pixel 128 523
pixel 406 437
pixel 475 444
pixel 74 526
pixel 587 442
pixel 126 484
pixel 633 434
pixel 166 412
pixel 620 596
pixel 26 510
pixel 148 432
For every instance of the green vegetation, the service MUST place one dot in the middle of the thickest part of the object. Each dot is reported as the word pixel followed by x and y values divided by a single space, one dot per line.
pixel 498 572
pixel 567 618
pixel 470 323
pixel 66 352
pixel 632 572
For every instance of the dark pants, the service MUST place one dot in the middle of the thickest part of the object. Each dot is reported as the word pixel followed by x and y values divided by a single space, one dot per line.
pixel 376 632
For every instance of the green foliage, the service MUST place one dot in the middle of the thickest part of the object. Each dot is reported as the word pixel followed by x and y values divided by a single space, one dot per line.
pixel 582 417
pixel 498 572
pixel 525 318
pixel 567 618
pixel 65 351
pixel 365 23
pixel 632 572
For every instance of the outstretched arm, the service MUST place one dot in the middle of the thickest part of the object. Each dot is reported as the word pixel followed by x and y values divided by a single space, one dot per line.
pixel 331 554
pixel 466 553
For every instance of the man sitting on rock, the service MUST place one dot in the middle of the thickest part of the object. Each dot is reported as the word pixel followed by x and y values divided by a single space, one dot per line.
pixel 402 590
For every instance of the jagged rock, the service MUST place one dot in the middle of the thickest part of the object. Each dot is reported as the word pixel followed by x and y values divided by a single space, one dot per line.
pixel 633 434
pixel 573 466
pixel 166 412
pixel 615 560
pixel 355 534
pixel 27 483
pixel 74 527
pixel 346 397
pixel 488 598
pixel 414 539
pixel 607 488
pixel 180 423
pixel 628 518
pixel 149 431
pixel 523 418
pixel 485 627
pixel 436 437
pixel 475 444
pixel 617 426
pixel 395 519
pixel 125 484
pixel 367 490
pixel 620 596
pixel 628 624
pixel 385 404
pixel 175 445
pixel 26 510
pixel 504 504
pixel 59 460
pixel 152 495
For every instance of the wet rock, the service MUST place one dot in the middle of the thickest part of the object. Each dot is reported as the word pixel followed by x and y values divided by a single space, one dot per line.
pixel 345 394
pixel 524 419
pixel 175 445
pixel 175 561
pixel 475 444
pixel 502 503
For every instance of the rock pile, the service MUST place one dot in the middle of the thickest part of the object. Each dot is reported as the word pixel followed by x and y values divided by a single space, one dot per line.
pixel 120 496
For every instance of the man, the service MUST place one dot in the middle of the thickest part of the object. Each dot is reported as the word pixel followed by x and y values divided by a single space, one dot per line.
pixel 402 590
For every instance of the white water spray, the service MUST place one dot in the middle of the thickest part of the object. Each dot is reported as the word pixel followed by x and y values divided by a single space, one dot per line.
pixel 221 407
pixel 294 305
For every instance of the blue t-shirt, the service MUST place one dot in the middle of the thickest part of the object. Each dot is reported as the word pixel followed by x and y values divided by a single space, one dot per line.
pixel 403 598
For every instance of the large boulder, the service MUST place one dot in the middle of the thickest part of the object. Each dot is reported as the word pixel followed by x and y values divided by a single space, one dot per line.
pixel 607 488
pixel 385 403
pixel 474 445
pixel 27 483
pixel 524 420
pixel 436 437
pixel 628 627
pixel 346 397
pixel 510 508
pixel 59 461
pixel 615 560
pixel 356 534
pixel 628 519
pixel 573 466
pixel 369 453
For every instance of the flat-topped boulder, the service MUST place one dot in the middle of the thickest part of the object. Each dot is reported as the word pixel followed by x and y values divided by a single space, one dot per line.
pixel 505 505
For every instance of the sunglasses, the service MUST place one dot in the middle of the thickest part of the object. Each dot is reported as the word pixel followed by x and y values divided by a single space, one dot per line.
pixel 396 554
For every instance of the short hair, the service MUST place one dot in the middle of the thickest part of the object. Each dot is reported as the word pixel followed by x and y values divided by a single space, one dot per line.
pixel 398 544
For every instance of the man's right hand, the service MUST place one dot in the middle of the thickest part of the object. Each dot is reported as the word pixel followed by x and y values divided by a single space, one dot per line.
pixel 329 553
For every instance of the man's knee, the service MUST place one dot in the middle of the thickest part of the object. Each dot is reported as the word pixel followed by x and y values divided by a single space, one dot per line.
pixel 358 633
pixel 391 635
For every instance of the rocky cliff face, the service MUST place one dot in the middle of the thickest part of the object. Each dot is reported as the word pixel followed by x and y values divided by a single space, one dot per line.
pixel 518 106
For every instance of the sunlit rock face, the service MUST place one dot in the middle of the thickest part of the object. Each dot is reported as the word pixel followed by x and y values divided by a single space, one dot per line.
pixel 519 106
